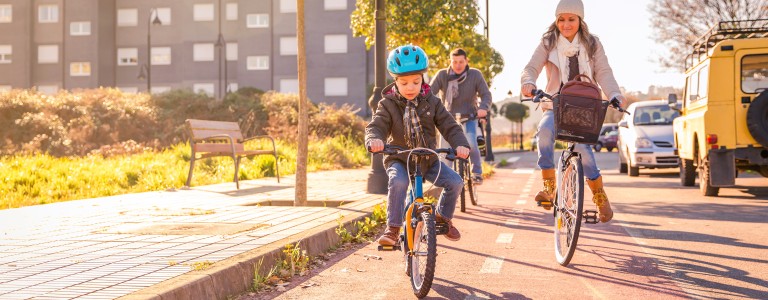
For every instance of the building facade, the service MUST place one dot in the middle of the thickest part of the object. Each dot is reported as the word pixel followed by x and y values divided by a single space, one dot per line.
pixel 210 46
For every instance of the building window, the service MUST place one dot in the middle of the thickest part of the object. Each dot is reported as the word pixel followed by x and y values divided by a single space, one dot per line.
pixel 203 12
pixel 80 69
pixel 164 14
pixel 127 56
pixel 289 86
pixel 336 86
pixel 336 43
pixel 48 13
pixel 202 52
pixel 232 51
pixel 289 45
pixel 287 6
pixel 335 4
pixel 48 54
pixel 48 89
pixel 257 21
pixel 6 52
pixel 232 11
pixel 161 56
pixel 6 13
pixel 79 28
pixel 205 88
pixel 127 17
pixel 160 89
pixel 258 63
pixel 232 87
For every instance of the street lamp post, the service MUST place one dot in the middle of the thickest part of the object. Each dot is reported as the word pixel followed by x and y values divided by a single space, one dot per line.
pixel 146 68
pixel 221 44
pixel 377 178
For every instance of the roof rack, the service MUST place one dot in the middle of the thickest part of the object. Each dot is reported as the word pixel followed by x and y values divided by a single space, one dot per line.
pixel 726 30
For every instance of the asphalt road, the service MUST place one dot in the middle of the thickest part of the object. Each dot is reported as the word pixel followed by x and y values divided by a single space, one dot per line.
pixel 665 242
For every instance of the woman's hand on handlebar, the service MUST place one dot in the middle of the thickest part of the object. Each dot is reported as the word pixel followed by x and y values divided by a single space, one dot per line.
pixel 462 152
pixel 527 90
pixel 375 145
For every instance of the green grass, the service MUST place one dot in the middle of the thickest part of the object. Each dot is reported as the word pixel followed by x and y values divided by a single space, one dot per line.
pixel 39 179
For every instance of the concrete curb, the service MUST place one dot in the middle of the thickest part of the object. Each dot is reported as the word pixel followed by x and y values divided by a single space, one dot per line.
pixel 234 276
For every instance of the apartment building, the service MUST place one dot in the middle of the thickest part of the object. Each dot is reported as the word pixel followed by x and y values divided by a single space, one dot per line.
pixel 210 46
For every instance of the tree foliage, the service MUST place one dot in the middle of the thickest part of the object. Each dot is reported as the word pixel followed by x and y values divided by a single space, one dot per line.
pixel 438 26
pixel 678 23
pixel 515 112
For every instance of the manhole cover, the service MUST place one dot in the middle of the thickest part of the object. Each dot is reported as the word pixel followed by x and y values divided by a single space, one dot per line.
pixel 184 228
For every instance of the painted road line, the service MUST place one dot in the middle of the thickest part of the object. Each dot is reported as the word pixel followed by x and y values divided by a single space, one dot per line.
pixel 520 202
pixel 526 190
pixel 492 265
pixel 523 171
pixel 524 195
pixel 505 238
pixel 513 159
pixel 512 222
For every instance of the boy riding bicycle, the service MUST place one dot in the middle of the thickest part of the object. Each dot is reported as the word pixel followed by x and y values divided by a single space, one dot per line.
pixel 408 116
pixel 460 86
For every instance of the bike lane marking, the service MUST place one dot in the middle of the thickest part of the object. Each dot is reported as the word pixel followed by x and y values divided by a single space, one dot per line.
pixel 492 264
pixel 505 238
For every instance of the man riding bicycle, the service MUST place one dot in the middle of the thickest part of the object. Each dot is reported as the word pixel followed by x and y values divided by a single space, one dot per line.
pixel 459 86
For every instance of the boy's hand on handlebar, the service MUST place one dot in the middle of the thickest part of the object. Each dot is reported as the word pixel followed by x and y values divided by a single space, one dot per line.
pixel 375 145
pixel 462 152
pixel 527 90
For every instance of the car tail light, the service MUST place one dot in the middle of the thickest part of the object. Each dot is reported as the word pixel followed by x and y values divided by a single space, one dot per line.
pixel 712 139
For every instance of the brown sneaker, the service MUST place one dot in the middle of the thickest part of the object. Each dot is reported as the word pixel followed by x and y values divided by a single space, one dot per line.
pixel 453 233
pixel 390 236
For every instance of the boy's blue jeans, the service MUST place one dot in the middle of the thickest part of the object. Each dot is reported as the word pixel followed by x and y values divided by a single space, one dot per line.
pixel 546 147
pixel 399 180
pixel 470 132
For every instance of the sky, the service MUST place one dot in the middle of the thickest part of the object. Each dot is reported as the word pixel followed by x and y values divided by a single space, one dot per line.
pixel 624 28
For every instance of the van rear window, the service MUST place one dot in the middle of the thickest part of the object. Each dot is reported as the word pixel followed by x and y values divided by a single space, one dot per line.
pixel 754 73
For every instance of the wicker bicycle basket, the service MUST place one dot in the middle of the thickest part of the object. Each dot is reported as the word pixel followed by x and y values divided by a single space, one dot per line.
pixel 578 119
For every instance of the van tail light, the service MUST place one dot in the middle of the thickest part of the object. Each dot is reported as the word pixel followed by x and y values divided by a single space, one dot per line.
pixel 712 139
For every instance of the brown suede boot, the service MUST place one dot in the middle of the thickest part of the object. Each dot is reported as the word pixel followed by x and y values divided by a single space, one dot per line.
pixel 390 236
pixel 453 233
pixel 544 197
pixel 601 199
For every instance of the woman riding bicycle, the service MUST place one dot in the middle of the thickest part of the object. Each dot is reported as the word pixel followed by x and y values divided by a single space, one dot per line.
pixel 407 116
pixel 568 49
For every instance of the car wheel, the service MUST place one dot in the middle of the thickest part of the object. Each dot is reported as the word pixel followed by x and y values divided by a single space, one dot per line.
pixel 622 165
pixel 706 188
pixel 610 149
pixel 598 146
pixel 633 171
pixel 687 172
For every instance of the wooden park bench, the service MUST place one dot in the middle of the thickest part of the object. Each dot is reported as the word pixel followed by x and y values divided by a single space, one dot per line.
pixel 217 138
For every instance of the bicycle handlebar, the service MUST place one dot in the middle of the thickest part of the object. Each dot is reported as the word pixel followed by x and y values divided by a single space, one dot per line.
pixel 539 94
pixel 450 153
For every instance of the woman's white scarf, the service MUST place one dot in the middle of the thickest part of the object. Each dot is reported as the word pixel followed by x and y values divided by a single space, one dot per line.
pixel 567 49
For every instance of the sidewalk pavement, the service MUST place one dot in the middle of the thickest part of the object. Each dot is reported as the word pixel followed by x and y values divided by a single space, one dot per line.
pixel 147 245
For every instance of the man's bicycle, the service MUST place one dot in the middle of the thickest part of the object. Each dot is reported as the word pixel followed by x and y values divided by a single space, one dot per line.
pixel 462 167
pixel 568 204
pixel 418 240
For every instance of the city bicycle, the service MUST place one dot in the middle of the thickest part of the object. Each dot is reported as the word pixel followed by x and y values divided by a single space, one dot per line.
pixel 568 204
pixel 418 240
pixel 464 169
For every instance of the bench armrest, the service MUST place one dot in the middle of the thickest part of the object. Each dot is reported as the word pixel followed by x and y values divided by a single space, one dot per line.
pixel 274 148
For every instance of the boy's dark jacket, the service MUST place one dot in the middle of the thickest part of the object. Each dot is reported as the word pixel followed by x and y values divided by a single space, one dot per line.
pixel 387 123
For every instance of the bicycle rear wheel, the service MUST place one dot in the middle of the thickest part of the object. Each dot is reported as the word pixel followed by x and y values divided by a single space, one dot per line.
pixel 569 203
pixel 461 168
pixel 472 190
pixel 424 256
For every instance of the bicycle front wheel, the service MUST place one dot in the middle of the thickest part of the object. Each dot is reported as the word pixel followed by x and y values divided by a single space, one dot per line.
pixel 472 189
pixel 461 168
pixel 569 203
pixel 424 256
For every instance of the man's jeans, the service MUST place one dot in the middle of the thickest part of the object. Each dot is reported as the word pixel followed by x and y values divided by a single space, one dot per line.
pixel 546 147
pixel 470 131
pixel 399 181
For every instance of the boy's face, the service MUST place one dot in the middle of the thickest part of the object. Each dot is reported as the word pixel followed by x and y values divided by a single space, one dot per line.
pixel 409 85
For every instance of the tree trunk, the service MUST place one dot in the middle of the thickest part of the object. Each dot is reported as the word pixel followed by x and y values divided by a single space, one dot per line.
pixel 302 155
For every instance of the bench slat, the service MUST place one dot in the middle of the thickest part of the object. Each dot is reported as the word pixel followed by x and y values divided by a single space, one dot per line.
pixel 205 124
pixel 200 134
pixel 225 149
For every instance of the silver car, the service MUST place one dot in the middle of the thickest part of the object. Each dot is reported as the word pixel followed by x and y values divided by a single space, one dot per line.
pixel 646 137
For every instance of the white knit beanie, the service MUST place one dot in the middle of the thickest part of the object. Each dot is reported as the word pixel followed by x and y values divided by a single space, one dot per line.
pixel 575 7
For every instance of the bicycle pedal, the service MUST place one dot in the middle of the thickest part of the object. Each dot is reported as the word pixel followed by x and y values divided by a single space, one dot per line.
pixel 389 248
pixel 441 228
pixel 590 217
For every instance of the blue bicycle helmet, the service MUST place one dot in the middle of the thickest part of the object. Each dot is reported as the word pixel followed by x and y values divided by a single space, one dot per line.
pixel 407 60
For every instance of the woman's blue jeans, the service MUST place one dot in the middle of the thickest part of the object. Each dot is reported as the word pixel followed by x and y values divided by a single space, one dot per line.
pixel 470 132
pixel 546 147
pixel 399 181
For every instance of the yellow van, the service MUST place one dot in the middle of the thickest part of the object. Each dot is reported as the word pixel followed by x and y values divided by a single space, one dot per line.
pixel 723 123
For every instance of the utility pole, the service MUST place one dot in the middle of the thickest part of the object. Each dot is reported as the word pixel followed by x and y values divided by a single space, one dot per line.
pixel 377 178
pixel 302 155
pixel 488 141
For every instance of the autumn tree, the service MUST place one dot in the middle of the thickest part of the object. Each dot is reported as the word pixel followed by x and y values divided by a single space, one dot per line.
pixel 515 112
pixel 678 23
pixel 437 26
